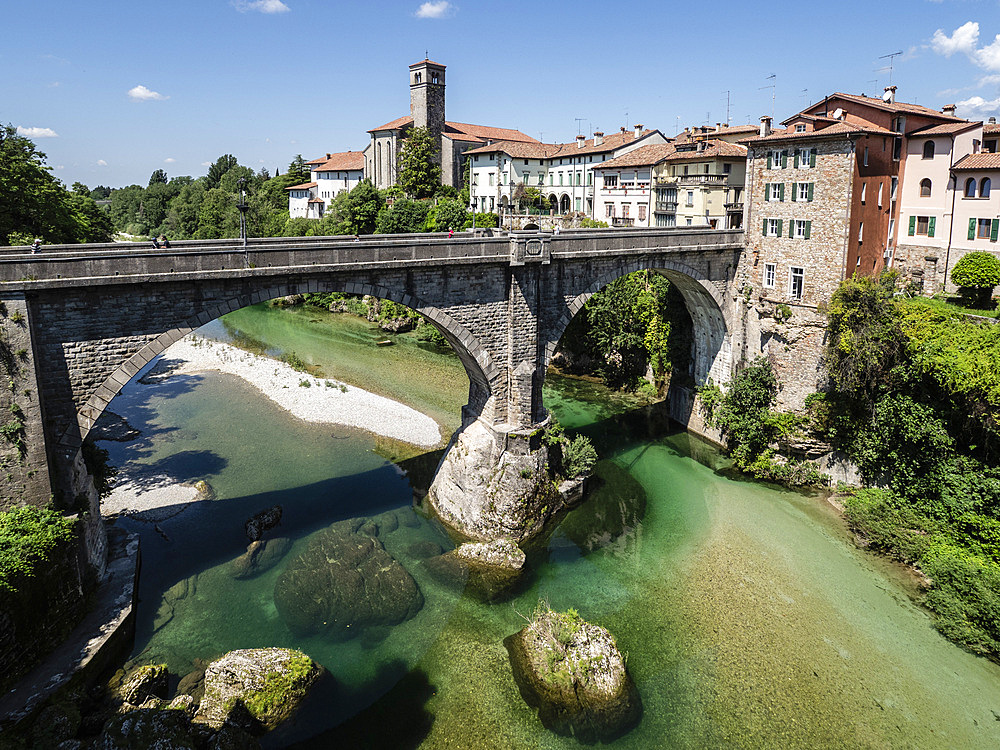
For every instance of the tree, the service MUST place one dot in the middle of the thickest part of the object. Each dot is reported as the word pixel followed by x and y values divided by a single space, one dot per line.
pixel 419 170
pixel 126 210
pixel 976 275
pixel 450 214
pixel 222 165
pixel 298 170
pixel 158 177
pixel 80 188
pixel 405 216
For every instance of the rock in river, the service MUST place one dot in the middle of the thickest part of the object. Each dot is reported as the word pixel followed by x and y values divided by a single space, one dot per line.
pixel 258 523
pixel 343 581
pixel 487 570
pixel 256 688
pixel 574 674
pixel 260 556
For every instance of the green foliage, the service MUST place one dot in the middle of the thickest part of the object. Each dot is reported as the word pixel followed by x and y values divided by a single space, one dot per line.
pixel 403 217
pixel 298 171
pixel 295 361
pixel 450 214
pixel 28 537
pixel 219 168
pixel 97 461
pixel 484 221
pixel 158 176
pixel 587 223
pixel 279 687
pixel 578 456
pixel 419 172
pixel 976 274
pixel 744 415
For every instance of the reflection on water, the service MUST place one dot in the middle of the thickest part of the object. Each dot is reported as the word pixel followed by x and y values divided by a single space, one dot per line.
pixel 747 617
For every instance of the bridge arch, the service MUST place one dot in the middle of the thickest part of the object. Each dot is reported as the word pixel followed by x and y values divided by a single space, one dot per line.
pixel 711 348
pixel 484 375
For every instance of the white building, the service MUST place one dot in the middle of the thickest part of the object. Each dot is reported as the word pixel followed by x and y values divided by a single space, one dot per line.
pixel 562 172
pixel 331 176
pixel 623 186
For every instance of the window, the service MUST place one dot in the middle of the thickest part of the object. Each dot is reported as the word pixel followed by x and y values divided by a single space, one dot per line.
pixel 727 168
pixel 578 204
pixel 609 210
pixel 706 169
pixel 929 150
pixel 800 128
pixel 925 188
pixel 892 228
pixel 492 177
pixel 772 227
pixel 983 231
pixel 880 195
pixel 417 78
pixel 803 191
pixel 560 178
pixel 806 158
pixel 690 198
pixel 685 170
pixel 775 191
pixel 861 232
pixel 777 159
pixel 970 188
pixel 796 279
pixel 578 178
pixel 866 156
pixel 897 148
pixel 610 180
pixel 688 221
pixel 525 162
pixel 769 274
pixel 625 207
pixel 923 224
pixel 895 184
pixel 541 178
pixel 642 212
pixel 590 178
pixel 800 230
pixel 864 192
pixel 984 188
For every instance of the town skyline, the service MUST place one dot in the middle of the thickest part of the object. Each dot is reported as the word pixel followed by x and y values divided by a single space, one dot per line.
pixel 177 96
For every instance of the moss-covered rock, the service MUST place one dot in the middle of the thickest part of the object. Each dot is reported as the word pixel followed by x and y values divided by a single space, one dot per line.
pixel 345 580
pixel 144 682
pixel 574 675
pixel 256 689
pixel 150 728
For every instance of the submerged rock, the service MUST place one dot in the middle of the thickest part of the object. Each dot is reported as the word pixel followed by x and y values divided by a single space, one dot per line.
pixel 256 689
pixel 574 674
pixel 258 523
pixel 343 581
pixel 260 556
pixel 487 570
pixel 494 487
pixel 612 514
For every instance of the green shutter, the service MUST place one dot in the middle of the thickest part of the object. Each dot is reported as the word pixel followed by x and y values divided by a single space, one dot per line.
pixel 780 223
pixel 764 231
pixel 812 158
pixel 913 226
pixel 809 196
pixel 930 226
pixel 767 191
pixel 808 229
pixel 795 159
pixel 994 230
pixel 972 229
pixel 784 159
pixel 781 191
pixel 769 166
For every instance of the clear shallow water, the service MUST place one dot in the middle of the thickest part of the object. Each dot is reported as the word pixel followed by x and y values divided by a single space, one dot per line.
pixel 748 617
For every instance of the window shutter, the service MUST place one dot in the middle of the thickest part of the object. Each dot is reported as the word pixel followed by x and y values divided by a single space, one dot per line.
pixel 781 191
pixel 995 230
pixel 972 229
pixel 808 229
pixel 795 159
pixel 930 226
pixel 767 191
pixel 810 192
pixel 764 232
pixel 769 165
pixel 780 222
pixel 913 226
pixel 784 159
pixel 812 158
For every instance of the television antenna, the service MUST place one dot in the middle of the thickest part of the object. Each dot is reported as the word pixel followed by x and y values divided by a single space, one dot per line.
pixel 890 57
pixel 773 78
pixel 727 93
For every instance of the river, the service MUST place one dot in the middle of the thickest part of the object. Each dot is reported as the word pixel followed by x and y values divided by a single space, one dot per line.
pixel 748 617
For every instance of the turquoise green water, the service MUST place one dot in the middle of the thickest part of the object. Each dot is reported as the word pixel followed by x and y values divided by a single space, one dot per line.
pixel 747 616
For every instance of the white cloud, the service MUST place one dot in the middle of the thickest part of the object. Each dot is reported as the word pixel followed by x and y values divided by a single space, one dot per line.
pixel 170 160
pixel 142 94
pixel 60 166
pixel 977 108
pixel 988 57
pixel 963 39
pixel 206 164
pixel 438 9
pixel 264 6
pixel 37 132
pixel 101 163
pixel 989 80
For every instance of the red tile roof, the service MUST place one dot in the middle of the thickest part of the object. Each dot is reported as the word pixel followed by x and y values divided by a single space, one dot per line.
pixel 398 124
pixel 641 157
pixel 839 129
pixel 461 131
pixel 316 200
pixel 944 128
pixel 425 61
pixel 345 161
pixel 877 103
pixel 320 160
pixel 538 150
pixel 714 149
pixel 991 129
pixel 979 161
pixel 303 186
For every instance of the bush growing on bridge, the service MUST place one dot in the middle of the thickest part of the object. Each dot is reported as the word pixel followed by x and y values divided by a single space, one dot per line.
pixel 28 537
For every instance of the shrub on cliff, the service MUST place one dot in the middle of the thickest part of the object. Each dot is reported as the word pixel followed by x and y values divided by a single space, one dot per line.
pixel 28 537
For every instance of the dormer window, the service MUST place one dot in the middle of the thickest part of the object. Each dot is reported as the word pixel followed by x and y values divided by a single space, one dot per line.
pixel 800 128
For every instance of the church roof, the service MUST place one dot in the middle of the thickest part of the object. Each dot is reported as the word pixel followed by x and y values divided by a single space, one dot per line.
pixel 461 131
pixel 536 150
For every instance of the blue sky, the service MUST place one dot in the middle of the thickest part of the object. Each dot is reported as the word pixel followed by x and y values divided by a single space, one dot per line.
pixel 114 90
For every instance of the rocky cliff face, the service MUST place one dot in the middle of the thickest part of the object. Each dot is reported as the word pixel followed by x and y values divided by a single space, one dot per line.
pixel 492 488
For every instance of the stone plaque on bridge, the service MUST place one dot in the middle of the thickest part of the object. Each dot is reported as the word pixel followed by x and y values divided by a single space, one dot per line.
pixel 529 248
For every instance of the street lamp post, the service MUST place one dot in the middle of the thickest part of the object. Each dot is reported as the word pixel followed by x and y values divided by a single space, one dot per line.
pixel 243 208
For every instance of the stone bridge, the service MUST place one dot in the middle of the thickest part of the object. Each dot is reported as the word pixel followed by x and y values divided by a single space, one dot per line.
pixel 79 321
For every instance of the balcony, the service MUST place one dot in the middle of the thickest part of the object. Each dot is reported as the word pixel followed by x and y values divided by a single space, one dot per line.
pixel 732 207
pixel 666 207
pixel 622 221
pixel 703 179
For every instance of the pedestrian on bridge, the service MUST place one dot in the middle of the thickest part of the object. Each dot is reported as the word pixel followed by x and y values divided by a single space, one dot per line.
pixel 36 245
pixel 156 244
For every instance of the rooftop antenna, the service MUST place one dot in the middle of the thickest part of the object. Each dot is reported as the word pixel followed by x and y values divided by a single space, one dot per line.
pixel 727 106
pixel 890 56
pixel 579 127
pixel 805 97
pixel 773 78
pixel 678 125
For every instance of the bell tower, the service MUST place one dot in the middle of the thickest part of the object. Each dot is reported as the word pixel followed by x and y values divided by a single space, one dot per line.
pixel 427 97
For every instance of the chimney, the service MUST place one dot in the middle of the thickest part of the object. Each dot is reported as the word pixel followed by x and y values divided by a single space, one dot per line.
pixel 765 126
pixel 890 95
pixel 328 156
pixel 623 128
pixel 702 145
pixel 948 109
pixel 581 141
pixel 991 121
pixel 718 127
pixel 598 138
pixel 638 130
